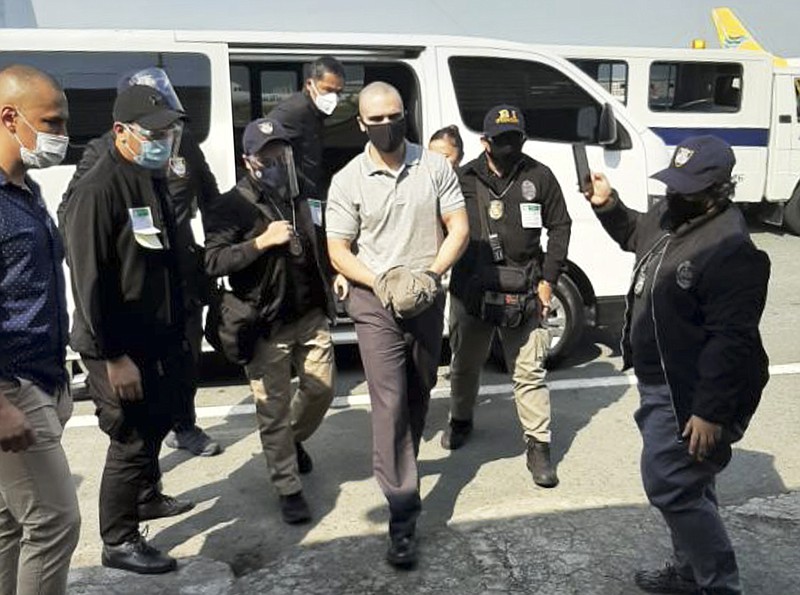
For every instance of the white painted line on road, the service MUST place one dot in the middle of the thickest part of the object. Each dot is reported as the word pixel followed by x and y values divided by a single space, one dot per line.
pixel 84 421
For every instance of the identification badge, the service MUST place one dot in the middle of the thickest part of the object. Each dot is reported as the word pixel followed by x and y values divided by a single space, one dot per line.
pixel 295 246
pixel 496 209
pixel 316 211
pixel 145 233
pixel 531 215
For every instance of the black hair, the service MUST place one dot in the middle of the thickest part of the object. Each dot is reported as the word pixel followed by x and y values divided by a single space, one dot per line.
pixel 322 66
pixel 451 134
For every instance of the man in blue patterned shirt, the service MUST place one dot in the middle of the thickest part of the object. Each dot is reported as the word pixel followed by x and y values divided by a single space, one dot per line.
pixel 39 517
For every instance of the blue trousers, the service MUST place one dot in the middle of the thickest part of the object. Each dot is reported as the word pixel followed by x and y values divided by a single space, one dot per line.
pixel 682 489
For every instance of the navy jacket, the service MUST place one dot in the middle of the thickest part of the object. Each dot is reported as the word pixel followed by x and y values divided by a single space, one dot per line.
pixel 708 294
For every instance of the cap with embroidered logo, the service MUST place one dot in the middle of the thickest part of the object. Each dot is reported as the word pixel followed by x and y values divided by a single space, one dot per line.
pixel 698 163
pixel 146 107
pixel 503 118
pixel 260 133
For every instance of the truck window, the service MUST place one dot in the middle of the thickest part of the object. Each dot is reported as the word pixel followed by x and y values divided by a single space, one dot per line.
pixel 611 74
pixel 90 80
pixel 555 107
pixel 695 87
pixel 262 85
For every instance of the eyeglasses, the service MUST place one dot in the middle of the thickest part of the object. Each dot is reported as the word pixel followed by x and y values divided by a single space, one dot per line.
pixel 147 135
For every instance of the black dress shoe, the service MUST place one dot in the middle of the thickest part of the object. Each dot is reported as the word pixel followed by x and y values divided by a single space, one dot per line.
pixel 161 506
pixel 402 552
pixel 664 580
pixel 456 434
pixel 540 465
pixel 304 463
pixel 294 509
pixel 136 555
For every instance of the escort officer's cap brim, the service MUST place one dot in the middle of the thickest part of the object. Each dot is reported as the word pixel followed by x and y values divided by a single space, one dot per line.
pixel 259 133
pixel 146 107
pixel 497 120
pixel 698 163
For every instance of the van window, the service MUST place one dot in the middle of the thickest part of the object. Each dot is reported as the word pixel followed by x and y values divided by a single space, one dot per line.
pixel 555 107
pixel 90 80
pixel 695 87
pixel 611 74
pixel 271 82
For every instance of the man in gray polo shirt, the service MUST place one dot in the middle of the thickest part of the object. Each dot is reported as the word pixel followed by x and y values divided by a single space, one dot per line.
pixel 395 198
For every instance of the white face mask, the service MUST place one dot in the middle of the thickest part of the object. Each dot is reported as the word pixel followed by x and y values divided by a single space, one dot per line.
pixel 325 102
pixel 50 149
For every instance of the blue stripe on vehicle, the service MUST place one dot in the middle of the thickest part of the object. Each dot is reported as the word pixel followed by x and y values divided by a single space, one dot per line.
pixel 737 137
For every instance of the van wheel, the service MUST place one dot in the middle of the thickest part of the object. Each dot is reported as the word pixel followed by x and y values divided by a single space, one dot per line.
pixel 791 213
pixel 566 321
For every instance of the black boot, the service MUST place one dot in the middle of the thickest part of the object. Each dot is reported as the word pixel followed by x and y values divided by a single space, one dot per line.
pixel 136 555
pixel 456 434
pixel 160 506
pixel 294 509
pixel 665 580
pixel 540 466
pixel 402 552
pixel 304 463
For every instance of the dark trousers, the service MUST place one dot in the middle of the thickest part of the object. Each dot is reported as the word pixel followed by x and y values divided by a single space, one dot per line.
pixel 136 430
pixel 185 415
pixel 400 360
pixel 682 489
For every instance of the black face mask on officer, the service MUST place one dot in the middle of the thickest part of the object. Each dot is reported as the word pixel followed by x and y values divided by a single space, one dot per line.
pixel 506 149
pixel 684 207
pixel 387 137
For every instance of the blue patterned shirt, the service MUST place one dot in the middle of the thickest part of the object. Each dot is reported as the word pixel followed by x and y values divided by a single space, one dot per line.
pixel 33 309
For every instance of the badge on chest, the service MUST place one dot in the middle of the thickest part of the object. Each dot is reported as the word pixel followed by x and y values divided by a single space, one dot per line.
pixel 530 215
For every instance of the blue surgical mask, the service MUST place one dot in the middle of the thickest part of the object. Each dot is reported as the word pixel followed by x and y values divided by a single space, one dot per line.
pixel 154 154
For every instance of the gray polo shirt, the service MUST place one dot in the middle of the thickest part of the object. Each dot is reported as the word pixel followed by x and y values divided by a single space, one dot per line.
pixel 394 216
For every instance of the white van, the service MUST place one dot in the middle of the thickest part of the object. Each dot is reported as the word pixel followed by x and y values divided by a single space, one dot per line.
pixel 225 79
pixel 740 96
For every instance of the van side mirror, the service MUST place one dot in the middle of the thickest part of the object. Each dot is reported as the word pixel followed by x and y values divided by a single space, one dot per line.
pixel 607 128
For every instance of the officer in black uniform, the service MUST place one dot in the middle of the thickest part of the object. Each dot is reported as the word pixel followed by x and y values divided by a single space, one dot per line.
pixel 504 282
pixel 191 186
pixel 124 254
pixel 302 116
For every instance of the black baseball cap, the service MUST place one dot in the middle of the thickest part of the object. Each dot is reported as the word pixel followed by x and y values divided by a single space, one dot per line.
pixel 698 163
pixel 503 118
pixel 260 133
pixel 146 107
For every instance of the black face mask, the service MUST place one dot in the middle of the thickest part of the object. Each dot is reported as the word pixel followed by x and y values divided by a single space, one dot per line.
pixel 682 209
pixel 273 178
pixel 507 151
pixel 388 137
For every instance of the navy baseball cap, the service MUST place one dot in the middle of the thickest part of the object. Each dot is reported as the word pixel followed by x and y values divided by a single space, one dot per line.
pixel 146 107
pixel 503 118
pixel 260 133
pixel 698 162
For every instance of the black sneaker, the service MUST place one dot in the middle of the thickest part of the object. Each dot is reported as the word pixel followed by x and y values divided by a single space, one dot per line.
pixel 539 464
pixel 402 552
pixel 664 580
pixel 161 506
pixel 304 463
pixel 195 440
pixel 137 556
pixel 456 434
pixel 294 509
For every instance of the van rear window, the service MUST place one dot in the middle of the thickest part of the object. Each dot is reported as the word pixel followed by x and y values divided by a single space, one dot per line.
pixel 90 80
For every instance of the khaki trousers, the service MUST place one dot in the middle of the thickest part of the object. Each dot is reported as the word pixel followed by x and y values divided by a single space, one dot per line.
pixel 285 416
pixel 39 516
pixel 525 349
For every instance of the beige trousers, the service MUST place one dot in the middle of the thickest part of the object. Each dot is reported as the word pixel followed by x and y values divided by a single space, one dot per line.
pixel 286 416
pixel 525 349
pixel 39 516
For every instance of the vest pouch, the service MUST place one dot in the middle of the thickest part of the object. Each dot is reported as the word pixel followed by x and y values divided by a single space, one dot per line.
pixel 502 309
pixel 506 279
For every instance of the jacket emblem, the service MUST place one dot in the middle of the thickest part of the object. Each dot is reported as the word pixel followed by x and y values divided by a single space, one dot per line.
pixel 684 276
pixel 178 166
pixel 528 190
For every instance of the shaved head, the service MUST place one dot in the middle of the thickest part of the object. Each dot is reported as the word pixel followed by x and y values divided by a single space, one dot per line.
pixel 378 92
pixel 18 82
